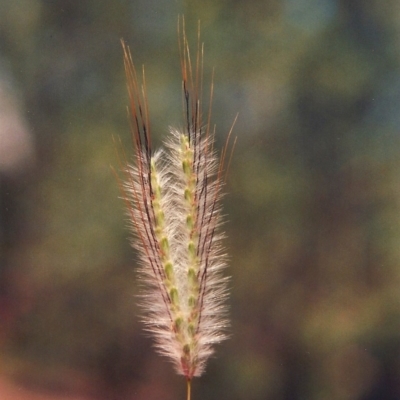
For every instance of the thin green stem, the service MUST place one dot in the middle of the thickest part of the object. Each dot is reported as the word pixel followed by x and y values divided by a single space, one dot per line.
pixel 189 387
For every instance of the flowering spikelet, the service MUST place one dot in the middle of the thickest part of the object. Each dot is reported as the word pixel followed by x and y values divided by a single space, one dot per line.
pixel 172 199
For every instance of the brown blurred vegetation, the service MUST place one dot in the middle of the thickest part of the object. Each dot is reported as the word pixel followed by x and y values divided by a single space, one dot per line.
pixel 313 205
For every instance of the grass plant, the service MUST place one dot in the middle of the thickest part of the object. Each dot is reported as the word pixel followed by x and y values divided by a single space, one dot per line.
pixel 172 198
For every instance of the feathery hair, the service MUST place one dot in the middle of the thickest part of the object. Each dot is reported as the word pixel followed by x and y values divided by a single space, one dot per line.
pixel 172 198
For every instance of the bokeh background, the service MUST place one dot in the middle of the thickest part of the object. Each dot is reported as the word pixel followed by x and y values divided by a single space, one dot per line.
pixel 313 204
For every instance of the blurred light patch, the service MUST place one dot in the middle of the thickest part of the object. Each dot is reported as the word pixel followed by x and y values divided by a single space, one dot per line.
pixel 16 144
pixel 310 16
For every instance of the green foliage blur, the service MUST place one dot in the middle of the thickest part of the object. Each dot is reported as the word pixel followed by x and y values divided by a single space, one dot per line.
pixel 312 210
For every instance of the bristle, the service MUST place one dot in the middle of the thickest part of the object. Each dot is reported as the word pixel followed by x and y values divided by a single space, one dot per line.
pixel 173 201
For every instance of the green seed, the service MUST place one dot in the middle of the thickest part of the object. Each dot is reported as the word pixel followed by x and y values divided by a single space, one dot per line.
pixel 192 249
pixel 178 324
pixel 173 294
pixel 186 167
pixel 192 276
pixel 169 270
pixel 160 218
pixel 188 195
pixel 189 221
pixel 192 301
pixel 164 244
pixel 186 349
pixel 191 330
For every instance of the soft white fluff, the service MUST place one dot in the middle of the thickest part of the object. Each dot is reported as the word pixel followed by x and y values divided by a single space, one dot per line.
pixel 172 199
pixel 177 228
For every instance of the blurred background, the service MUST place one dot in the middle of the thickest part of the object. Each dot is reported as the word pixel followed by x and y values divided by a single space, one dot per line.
pixel 313 204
